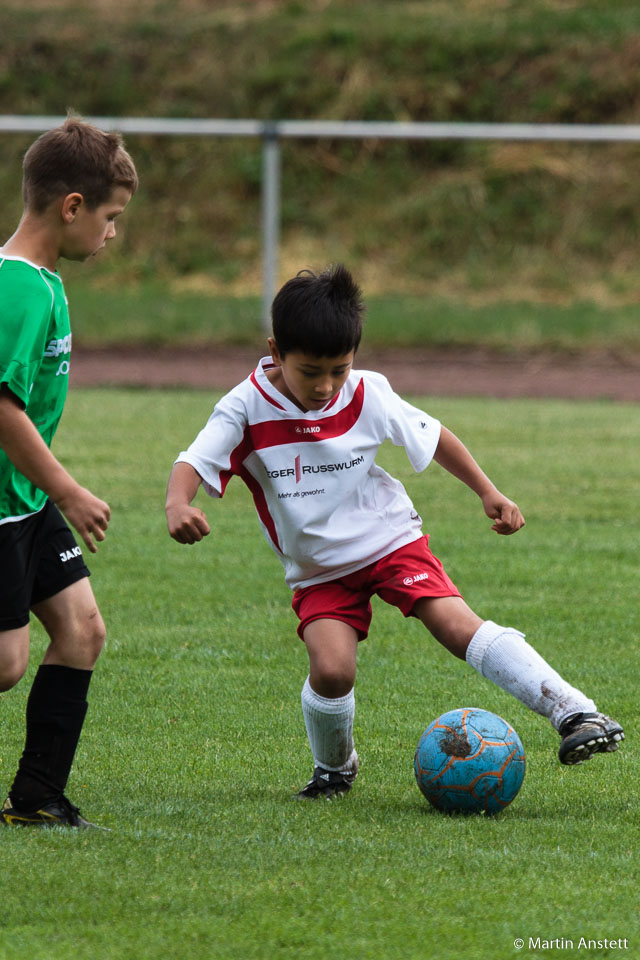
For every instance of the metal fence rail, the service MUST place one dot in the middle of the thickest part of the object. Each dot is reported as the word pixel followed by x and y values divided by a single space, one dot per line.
pixel 272 132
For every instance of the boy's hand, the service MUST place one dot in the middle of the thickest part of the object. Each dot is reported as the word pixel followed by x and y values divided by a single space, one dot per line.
pixel 505 512
pixel 187 524
pixel 87 514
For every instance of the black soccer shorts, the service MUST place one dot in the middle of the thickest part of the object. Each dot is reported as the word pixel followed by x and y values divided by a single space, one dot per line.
pixel 39 557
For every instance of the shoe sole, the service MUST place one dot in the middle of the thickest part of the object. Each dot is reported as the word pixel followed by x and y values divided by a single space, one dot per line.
pixel 14 821
pixel 582 752
pixel 327 794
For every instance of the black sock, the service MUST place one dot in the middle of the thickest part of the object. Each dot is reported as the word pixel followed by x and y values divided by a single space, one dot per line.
pixel 56 709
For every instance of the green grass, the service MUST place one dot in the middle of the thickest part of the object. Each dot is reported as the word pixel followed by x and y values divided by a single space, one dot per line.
pixel 194 741
pixel 150 313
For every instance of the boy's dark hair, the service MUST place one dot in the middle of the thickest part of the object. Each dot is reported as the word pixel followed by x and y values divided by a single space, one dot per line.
pixel 75 157
pixel 319 314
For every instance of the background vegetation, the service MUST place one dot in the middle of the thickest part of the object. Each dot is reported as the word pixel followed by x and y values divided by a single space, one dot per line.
pixel 470 223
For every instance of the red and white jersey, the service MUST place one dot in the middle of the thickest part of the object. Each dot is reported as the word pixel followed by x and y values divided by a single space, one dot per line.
pixel 326 508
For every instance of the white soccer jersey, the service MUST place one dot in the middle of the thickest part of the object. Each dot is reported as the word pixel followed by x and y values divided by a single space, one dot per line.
pixel 326 508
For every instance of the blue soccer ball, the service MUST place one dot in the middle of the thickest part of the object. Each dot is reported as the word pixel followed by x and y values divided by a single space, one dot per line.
pixel 470 761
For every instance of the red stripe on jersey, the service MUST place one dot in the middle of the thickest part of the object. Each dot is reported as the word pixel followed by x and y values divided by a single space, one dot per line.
pixel 273 433
pixel 237 468
pixel 262 506
pixel 264 393
pixel 236 459
pixel 257 436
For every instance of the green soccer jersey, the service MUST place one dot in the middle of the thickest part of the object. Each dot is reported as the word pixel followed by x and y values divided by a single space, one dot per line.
pixel 35 348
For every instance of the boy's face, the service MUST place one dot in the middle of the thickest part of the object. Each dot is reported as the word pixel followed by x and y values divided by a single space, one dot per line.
pixel 309 381
pixel 87 230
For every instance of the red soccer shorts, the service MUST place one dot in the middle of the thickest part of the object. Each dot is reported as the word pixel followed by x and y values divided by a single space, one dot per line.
pixel 401 578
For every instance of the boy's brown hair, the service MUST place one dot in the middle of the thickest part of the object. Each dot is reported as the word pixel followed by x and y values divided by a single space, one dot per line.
pixel 76 157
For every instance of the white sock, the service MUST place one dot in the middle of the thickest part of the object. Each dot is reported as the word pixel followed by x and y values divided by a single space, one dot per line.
pixel 329 726
pixel 502 655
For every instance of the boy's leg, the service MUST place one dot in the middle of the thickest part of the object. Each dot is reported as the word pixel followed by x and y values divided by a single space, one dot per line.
pixel 328 706
pixel 332 646
pixel 57 704
pixel 450 621
pixel 14 656
pixel 502 655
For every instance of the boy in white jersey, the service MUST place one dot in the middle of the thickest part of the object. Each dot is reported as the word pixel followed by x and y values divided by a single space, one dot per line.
pixel 76 181
pixel 303 432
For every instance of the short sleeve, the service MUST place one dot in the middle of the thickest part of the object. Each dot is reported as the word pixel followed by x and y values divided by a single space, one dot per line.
pixel 216 451
pixel 26 315
pixel 411 428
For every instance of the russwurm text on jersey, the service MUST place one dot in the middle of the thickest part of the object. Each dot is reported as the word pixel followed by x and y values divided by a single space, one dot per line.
pixel 298 470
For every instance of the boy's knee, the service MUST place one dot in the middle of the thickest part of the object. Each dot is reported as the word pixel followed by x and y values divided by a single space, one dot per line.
pixel 9 679
pixel 94 638
pixel 332 647
pixel 14 657
pixel 81 643
pixel 332 681
pixel 12 670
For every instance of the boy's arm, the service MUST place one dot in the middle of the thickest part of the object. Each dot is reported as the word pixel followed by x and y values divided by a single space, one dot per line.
pixel 452 454
pixel 29 453
pixel 186 524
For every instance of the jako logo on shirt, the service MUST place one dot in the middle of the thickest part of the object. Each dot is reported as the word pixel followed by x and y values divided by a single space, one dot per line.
pixel 70 554
pixel 298 470
pixel 418 577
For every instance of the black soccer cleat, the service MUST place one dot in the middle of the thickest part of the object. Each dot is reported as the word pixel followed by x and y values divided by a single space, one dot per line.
pixel 325 784
pixel 585 734
pixel 60 813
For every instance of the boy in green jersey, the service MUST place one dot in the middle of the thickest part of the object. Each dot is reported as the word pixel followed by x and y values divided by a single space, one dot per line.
pixel 76 181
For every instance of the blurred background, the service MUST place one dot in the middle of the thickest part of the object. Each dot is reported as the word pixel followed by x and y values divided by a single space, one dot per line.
pixel 519 245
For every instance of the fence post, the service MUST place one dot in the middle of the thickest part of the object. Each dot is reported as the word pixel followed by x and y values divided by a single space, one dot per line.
pixel 270 218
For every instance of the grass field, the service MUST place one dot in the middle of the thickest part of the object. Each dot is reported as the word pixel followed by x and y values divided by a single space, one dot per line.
pixel 194 743
pixel 152 313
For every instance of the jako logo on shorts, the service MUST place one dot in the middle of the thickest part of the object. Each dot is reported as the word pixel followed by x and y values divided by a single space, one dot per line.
pixel 418 577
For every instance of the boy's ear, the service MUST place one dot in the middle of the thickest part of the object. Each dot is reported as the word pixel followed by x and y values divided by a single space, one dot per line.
pixel 70 206
pixel 275 353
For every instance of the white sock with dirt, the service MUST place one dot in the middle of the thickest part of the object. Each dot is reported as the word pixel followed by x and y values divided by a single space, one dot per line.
pixel 502 655
pixel 329 726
